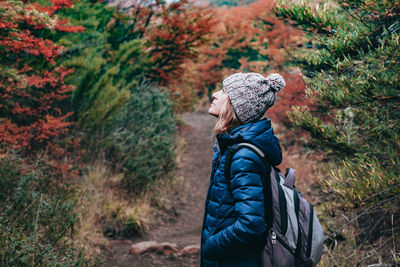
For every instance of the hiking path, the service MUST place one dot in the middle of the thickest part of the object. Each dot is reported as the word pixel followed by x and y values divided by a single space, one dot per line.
pixel 184 229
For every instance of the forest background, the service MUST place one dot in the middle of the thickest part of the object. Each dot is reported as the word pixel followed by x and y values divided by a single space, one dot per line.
pixel 92 92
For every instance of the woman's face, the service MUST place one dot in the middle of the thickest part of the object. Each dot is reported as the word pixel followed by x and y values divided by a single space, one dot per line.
pixel 219 99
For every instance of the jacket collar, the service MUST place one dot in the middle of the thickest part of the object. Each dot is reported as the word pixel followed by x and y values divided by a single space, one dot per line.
pixel 245 132
pixel 226 140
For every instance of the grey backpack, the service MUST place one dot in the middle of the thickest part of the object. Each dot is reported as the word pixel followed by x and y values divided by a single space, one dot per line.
pixel 295 236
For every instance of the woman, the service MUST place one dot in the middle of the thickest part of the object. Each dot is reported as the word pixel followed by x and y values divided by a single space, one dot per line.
pixel 234 226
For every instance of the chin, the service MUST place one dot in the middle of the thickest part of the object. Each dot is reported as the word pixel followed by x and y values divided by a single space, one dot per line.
pixel 212 113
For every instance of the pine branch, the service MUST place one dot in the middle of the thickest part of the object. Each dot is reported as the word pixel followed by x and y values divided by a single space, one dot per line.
pixel 354 16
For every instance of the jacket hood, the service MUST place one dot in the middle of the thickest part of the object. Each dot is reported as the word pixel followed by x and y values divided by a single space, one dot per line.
pixel 259 133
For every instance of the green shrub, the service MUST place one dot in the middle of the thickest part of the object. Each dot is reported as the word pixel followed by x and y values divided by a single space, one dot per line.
pixel 143 142
pixel 36 217
pixel 107 60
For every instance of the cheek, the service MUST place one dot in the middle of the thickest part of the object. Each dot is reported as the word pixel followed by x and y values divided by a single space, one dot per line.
pixel 217 106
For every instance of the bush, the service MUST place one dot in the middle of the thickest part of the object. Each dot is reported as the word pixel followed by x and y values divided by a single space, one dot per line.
pixel 36 215
pixel 34 110
pixel 107 60
pixel 143 136
pixel 118 220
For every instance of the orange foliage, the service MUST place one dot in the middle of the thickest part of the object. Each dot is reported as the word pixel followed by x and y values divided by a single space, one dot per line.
pixel 31 105
pixel 32 88
pixel 244 39
pixel 174 31
pixel 179 29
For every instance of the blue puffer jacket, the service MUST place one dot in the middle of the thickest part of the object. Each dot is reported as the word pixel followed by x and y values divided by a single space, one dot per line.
pixel 233 230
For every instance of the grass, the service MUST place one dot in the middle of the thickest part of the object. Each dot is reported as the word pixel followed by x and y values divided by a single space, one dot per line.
pixel 105 210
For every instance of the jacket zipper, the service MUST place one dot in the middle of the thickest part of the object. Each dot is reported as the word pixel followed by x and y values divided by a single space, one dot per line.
pixel 214 168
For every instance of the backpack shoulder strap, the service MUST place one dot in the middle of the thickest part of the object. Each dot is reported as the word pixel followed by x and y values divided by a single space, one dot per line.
pixel 290 178
pixel 254 148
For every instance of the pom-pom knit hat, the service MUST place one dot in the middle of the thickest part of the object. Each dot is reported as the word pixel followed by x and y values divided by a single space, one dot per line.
pixel 251 94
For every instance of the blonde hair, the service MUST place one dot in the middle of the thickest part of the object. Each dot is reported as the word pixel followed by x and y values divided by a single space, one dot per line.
pixel 227 119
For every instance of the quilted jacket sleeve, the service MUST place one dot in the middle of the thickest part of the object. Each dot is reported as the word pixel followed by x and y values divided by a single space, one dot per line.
pixel 247 191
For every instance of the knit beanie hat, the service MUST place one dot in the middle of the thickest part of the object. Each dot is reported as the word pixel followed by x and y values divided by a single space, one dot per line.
pixel 251 94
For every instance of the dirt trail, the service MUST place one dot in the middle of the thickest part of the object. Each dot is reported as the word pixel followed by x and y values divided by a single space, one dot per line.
pixel 186 228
